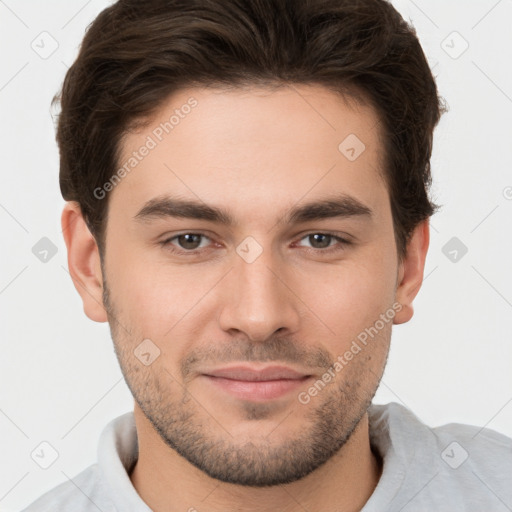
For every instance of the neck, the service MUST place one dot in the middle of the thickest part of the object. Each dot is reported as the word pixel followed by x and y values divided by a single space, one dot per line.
pixel 165 480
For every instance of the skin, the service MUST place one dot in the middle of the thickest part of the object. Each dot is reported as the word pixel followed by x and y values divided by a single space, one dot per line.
pixel 257 153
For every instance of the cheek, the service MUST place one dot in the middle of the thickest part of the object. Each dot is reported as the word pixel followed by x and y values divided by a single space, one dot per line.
pixel 160 302
pixel 350 297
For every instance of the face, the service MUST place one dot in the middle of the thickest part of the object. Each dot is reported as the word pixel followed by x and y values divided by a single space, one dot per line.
pixel 306 265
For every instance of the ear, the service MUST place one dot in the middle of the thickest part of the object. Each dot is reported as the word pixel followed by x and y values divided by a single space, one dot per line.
pixel 83 261
pixel 410 272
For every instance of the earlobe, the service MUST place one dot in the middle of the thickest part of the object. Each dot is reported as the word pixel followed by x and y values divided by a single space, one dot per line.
pixel 83 261
pixel 410 275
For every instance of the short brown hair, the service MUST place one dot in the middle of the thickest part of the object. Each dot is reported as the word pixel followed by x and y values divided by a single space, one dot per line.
pixel 135 54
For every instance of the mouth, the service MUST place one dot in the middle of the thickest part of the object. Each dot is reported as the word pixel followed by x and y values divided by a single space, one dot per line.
pixel 256 384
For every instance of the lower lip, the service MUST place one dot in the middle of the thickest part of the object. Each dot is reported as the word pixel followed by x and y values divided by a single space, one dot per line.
pixel 257 390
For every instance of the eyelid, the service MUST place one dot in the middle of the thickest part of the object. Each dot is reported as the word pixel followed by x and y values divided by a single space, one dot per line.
pixel 342 240
pixel 168 242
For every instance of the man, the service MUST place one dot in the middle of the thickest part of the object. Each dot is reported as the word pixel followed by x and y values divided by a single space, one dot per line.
pixel 247 187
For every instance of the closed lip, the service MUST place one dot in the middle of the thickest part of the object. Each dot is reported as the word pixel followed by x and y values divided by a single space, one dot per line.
pixel 250 373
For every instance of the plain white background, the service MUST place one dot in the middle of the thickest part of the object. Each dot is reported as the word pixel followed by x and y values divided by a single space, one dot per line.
pixel 60 381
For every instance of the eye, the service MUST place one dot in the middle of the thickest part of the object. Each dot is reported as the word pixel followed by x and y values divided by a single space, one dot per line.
pixel 322 241
pixel 189 242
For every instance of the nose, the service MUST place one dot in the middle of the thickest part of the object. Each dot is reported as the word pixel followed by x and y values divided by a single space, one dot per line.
pixel 258 300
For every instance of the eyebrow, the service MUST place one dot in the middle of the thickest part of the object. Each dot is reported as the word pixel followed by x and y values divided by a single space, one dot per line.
pixel 340 206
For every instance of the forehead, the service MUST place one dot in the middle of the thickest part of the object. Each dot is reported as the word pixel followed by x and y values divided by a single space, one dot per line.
pixel 254 147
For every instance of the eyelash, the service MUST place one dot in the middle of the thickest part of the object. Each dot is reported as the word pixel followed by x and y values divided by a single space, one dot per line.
pixel 344 242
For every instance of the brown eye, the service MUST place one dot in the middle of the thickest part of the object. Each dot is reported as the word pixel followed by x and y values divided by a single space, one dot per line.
pixel 320 240
pixel 189 241
pixel 185 243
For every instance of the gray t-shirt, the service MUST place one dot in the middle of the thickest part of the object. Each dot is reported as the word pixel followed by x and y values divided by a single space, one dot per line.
pixel 451 468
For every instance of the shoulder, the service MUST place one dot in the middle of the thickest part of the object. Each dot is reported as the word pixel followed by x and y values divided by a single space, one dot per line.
pixel 394 419
pixel 481 452
pixel 451 464
pixel 105 485
pixel 82 493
